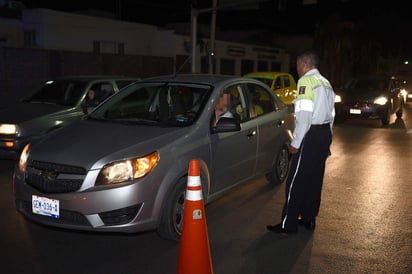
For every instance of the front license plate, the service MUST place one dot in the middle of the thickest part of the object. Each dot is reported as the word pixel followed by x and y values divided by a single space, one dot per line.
pixel 354 111
pixel 45 206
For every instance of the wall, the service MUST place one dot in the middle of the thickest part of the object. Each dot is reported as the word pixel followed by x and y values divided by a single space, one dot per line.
pixel 23 69
pixel 45 43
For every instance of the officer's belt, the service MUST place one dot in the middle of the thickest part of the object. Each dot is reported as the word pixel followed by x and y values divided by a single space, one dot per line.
pixel 322 126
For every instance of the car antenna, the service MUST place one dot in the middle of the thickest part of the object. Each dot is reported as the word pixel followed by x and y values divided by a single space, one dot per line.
pixel 182 65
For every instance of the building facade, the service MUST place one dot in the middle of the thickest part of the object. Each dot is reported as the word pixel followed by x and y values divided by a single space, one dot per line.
pixel 45 43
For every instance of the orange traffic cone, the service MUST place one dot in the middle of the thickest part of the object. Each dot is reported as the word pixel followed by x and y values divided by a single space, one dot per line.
pixel 194 252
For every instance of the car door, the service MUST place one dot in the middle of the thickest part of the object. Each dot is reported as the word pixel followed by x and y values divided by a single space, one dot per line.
pixel 279 88
pixel 289 88
pixel 233 154
pixel 268 121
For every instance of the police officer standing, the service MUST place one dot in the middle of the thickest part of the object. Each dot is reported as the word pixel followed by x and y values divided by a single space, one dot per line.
pixel 312 137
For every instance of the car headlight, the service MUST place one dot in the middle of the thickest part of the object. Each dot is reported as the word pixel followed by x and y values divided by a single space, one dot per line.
pixel 404 92
pixel 382 100
pixel 23 158
pixel 338 99
pixel 127 170
pixel 9 129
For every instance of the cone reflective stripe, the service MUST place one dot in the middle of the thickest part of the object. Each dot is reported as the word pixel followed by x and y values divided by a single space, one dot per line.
pixel 194 252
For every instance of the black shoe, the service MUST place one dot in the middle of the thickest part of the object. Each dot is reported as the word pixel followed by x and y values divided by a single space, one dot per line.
pixel 278 229
pixel 309 225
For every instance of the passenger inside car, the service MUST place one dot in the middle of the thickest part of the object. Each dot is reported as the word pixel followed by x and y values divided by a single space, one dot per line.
pixel 222 108
pixel 90 101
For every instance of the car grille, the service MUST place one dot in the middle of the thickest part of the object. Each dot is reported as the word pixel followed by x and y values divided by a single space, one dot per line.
pixel 44 177
pixel 65 216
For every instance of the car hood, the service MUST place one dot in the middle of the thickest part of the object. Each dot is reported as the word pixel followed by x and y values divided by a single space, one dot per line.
pixel 24 111
pixel 89 143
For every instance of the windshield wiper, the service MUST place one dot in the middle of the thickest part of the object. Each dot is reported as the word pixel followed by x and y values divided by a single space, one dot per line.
pixel 131 120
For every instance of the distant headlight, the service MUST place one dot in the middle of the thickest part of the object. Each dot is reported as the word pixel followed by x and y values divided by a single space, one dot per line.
pixel 338 99
pixel 9 129
pixel 380 100
pixel 127 170
pixel 23 158
pixel 404 94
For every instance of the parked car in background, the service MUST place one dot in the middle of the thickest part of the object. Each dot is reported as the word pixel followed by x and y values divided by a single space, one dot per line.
pixel 283 84
pixel 54 104
pixel 123 168
pixel 369 97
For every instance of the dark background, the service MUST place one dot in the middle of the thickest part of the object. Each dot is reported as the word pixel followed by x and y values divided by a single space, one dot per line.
pixel 382 21
pixel 353 37
pixel 356 32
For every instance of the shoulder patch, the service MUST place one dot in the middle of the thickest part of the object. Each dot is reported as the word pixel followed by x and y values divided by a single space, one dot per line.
pixel 302 90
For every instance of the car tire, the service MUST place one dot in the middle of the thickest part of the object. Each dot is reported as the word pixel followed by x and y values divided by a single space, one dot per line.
pixel 280 168
pixel 171 222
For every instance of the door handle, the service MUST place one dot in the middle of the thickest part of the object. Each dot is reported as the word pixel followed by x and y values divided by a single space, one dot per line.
pixel 251 134
pixel 280 122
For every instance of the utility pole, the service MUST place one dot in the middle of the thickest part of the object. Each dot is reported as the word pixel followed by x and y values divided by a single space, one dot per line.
pixel 212 37
pixel 193 21
pixel 194 13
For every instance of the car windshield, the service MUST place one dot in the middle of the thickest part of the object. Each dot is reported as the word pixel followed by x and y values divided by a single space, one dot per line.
pixel 165 104
pixel 60 92
pixel 368 83
pixel 264 80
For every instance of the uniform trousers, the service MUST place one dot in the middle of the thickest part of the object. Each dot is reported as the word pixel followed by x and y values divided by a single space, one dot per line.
pixel 305 180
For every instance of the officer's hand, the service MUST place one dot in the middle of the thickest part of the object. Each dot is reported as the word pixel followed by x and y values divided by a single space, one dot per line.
pixel 293 150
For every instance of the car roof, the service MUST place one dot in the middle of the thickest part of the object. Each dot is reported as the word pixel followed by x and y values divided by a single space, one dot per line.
pixel 201 78
pixel 266 74
pixel 94 77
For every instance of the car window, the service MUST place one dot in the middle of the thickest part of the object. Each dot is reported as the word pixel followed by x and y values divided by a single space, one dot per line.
pixel 286 80
pixel 368 83
pixel 267 81
pixel 278 82
pixel 155 103
pixel 104 90
pixel 122 83
pixel 261 100
pixel 60 92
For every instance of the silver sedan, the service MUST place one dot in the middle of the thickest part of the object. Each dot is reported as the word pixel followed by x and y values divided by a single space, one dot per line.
pixel 124 167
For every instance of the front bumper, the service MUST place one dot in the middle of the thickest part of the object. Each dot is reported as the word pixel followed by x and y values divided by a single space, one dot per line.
pixel 116 209
pixel 367 111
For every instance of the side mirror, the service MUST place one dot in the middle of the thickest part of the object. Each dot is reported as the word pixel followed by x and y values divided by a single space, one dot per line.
pixel 227 125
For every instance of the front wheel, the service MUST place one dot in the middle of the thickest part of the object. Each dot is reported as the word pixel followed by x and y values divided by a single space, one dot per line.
pixel 280 168
pixel 172 215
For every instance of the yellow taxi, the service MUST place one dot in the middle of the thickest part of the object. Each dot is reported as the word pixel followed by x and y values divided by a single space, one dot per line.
pixel 283 84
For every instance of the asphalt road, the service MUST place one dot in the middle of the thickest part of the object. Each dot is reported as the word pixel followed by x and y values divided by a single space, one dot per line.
pixel 364 225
